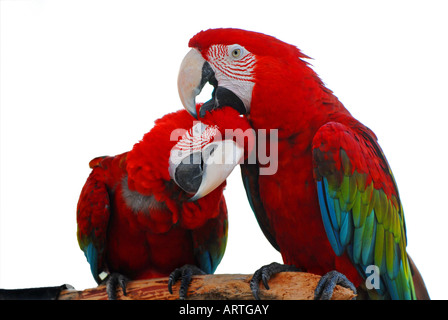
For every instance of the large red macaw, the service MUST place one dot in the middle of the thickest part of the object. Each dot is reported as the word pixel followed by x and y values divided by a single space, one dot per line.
pixel 160 206
pixel 333 203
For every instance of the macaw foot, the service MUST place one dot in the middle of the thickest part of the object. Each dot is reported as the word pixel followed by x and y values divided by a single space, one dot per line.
pixel 325 287
pixel 265 273
pixel 112 282
pixel 184 274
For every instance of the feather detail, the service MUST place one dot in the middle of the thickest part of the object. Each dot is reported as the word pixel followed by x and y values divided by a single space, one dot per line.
pixel 360 207
pixel 346 230
pixel 368 240
pixel 380 248
pixel 326 217
pixel 357 244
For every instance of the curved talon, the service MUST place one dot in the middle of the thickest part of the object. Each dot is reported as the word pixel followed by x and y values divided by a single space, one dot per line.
pixel 325 287
pixel 172 279
pixel 112 282
pixel 265 273
pixel 255 283
pixel 184 273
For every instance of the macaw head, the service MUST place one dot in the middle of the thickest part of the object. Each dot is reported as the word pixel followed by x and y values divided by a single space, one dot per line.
pixel 207 153
pixel 197 156
pixel 251 72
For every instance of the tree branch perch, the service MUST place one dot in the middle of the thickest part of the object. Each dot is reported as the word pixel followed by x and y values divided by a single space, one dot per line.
pixel 283 286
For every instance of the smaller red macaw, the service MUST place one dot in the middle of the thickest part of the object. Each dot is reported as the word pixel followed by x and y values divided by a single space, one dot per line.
pixel 160 207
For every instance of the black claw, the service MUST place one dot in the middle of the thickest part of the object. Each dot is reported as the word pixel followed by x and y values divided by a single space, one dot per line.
pixel 265 280
pixel 325 287
pixel 255 283
pixel 112 282
pixel 184 274
pixel 174 276
pixel 265 273
pixel 122 282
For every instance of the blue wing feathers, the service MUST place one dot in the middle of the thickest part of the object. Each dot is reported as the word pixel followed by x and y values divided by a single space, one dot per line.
pixel 333 237
pixel 346 230
pixel 357 244
pixel 91 254
pixel 206 263
pixel 335 214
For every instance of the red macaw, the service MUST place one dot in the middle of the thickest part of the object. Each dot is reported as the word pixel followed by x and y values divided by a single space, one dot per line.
pixel 332 203
pixel 160 206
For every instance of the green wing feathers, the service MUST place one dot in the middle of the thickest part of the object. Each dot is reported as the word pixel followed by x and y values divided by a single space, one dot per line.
pixel 360 205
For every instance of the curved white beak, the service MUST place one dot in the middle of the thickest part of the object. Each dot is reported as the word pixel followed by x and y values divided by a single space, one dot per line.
pixel 190 80
pixel 220 158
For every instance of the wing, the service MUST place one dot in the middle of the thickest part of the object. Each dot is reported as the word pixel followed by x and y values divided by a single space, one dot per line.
pixel 360 205
pixel 210 240
pixel 249 174
pixel 93 213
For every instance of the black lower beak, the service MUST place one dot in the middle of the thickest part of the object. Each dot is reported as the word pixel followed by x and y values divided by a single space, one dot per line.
pixel 221 97
pixel 189 173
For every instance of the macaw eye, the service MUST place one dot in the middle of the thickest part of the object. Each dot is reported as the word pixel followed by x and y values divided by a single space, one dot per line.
pixel 236 53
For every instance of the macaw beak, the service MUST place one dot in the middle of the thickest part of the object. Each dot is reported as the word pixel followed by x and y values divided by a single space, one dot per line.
pixel 201 172
pixel 194 73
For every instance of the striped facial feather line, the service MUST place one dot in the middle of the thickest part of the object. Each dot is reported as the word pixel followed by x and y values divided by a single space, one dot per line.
pixel 193 140
pixel 243 65
pixel 236 69
pixel 241 73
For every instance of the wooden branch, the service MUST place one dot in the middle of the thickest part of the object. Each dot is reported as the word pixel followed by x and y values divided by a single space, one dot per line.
pixel 283 286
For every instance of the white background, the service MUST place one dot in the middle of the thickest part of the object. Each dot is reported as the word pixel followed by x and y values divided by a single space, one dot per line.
pixel 81 79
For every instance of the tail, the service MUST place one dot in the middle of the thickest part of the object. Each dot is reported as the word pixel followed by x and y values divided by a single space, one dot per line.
pixel 419 285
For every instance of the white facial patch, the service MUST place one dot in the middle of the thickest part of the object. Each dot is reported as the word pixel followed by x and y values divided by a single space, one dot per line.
pixel 243 89
pixel 191 141
pixel 234 69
